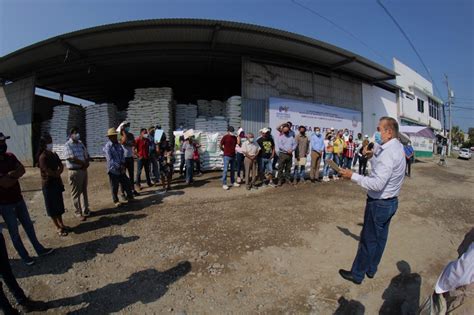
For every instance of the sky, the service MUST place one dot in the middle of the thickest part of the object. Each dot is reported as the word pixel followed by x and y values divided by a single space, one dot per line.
pixel 441 30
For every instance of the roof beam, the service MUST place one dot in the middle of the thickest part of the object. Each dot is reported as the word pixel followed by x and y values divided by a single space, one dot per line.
pixel 391 77
pixel 344 62
pixel 213 41
pixel 72 49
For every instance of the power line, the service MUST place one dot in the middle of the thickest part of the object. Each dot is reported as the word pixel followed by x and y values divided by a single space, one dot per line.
pixel 462 107
pixel 340 28
pixel 411 44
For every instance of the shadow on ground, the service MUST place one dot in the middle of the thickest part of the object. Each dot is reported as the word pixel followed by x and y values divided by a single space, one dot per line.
pixel 402 296
pixel 346 231
pixel 62 259
pixel 145 286
pixel 349 307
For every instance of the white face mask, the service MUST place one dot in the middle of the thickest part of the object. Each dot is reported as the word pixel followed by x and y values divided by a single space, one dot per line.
pixel 49 147
pixel 251 139
pixel 76 136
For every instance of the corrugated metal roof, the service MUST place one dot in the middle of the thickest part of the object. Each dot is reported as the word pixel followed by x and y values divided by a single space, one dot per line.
pixel 135 42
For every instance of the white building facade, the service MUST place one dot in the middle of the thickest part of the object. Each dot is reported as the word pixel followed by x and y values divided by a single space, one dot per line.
pixel 377 102
pixel 417 105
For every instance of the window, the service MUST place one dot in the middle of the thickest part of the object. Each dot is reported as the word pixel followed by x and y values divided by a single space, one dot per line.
pixel 434 109
pixel 421 106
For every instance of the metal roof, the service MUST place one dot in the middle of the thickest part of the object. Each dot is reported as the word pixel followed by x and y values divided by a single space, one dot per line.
pixel 94 63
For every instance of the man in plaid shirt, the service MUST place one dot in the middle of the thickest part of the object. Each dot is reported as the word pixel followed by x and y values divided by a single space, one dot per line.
pixel 349 152
pixel 77 162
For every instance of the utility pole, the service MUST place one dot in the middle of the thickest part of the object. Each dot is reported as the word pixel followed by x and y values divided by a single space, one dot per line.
pixel 450 120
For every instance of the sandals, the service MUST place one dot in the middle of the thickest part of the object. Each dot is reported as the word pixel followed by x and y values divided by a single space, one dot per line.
pixel 62 232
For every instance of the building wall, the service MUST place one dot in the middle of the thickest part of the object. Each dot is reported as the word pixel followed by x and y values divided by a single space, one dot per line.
pixel 408 77
pixel 413 83
pixel 377 103
pixel 16 111
pixel 409 110
pixel 260 81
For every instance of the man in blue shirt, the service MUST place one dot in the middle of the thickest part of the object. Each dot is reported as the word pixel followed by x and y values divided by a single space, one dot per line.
pixel 317 150
pixel 410 157
pixel 116 167
pixel 286 147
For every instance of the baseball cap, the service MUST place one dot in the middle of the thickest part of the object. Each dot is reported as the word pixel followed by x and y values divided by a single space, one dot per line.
pixel 332 128
pixel 265 130
pixel 366 136
pixel 3 137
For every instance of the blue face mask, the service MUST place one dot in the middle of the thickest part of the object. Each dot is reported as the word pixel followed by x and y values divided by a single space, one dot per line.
pixel 378 137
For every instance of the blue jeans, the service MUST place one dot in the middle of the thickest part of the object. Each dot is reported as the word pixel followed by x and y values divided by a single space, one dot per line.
pixel 228 160
pixel 338 160
pixel 348 162
pixel 326 169
pixel 155 168
pixel 299 172
pixel 189 170
pixel 373 237
pixel 12 213
pixel 239 158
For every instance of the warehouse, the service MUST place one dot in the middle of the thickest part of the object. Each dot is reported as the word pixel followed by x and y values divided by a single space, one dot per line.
pixel 197 59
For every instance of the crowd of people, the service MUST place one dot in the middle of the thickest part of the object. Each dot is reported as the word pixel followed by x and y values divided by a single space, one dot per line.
pixel 256 160
pixel 265 161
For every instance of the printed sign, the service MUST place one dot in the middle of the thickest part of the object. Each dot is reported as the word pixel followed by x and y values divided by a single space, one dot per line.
pixel 312 115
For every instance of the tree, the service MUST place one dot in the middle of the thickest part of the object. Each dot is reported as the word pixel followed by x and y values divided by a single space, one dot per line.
pixel 457 135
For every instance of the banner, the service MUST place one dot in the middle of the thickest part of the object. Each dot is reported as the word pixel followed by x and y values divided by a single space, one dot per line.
pixel 312 115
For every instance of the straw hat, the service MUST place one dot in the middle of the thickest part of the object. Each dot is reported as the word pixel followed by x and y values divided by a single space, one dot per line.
pixel 189 133
pixel 111 132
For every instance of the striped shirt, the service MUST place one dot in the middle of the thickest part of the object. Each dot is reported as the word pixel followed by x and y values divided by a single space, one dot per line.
pixel 76 150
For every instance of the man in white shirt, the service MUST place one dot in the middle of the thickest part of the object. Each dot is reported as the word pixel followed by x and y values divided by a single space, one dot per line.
pixel 250 150
pixel 454 290
pixel 383 187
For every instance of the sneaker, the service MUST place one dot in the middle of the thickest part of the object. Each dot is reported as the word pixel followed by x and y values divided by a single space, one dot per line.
pixel 29 262
pixel 272 185
pixel 239 180
pixel 77 214
pixel 236 185
pixel 248 187
pixel 225 187
pixel 46 252
pixel 335 177
pixel 87 213
pixel 326 179
pixel 254 188
pixel 136 193
pixel 118 204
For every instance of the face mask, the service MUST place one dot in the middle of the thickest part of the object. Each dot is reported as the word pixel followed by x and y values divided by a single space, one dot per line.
pixel 49 147
pixel 378 137
pixel 346 133
pixel 318 133
pixel 76 136
pixel 145 135
pixel 3 148
pixel 251 139
pixel 127 129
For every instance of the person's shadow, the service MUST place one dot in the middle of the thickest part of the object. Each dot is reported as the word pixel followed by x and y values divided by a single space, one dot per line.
pixel 349 307
pixel 63 258
pixel 145 286
pixel 403 294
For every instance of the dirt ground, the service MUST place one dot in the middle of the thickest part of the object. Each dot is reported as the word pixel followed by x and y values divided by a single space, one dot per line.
pixel 276 250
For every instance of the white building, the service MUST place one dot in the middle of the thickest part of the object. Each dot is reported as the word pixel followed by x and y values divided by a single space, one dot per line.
pixel 377 102
pixel 417 104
